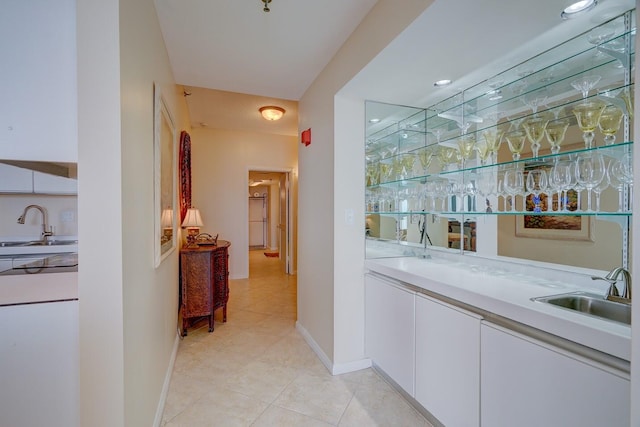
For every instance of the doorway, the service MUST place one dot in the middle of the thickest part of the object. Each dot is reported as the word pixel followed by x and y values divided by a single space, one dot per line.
pixel 269 215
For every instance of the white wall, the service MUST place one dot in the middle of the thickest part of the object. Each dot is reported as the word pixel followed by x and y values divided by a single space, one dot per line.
pixel 220 164
pixel 99 185
pixel 128 309
pixel 330 306
pixel 12 206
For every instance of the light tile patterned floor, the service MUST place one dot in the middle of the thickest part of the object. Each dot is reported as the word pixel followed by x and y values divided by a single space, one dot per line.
pixel 257 370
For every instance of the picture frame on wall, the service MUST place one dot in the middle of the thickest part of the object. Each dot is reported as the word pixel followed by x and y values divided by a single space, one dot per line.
pixel 164 152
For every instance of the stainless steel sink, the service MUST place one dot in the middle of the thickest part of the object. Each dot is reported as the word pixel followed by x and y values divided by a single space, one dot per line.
pixel 10 244
pixel 590 304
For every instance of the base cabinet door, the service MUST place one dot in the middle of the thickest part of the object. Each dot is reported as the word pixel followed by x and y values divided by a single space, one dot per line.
pixel 39 365
pixel 390 329
pixel 448 362
pixel 529 383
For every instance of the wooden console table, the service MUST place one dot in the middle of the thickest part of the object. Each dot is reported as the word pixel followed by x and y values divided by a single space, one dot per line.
pixel 204 282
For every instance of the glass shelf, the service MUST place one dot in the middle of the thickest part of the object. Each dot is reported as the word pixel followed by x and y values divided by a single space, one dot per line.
pixel 547 160
pixel 411 199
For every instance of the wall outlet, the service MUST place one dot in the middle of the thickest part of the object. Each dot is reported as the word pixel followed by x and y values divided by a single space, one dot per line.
pixel 68 216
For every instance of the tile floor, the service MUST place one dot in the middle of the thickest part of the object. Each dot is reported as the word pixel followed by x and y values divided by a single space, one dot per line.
pixel 257 370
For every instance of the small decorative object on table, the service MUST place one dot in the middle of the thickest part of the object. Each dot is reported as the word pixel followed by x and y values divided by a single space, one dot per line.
pixel 206 239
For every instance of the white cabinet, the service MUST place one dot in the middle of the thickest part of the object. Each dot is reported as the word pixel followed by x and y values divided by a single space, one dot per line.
pixel 448 362
pixel 39 365
pixel 44 183
pixel 390 329
pixel 38 107
pixel 15 180
pixel 529 383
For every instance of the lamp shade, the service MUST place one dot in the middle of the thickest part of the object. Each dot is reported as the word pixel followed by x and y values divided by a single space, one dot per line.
pixel 167 218
pixel 192 218
pixel 271 112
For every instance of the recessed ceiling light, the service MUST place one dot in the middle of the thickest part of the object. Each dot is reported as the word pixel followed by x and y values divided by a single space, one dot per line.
pixel 374 120
pixel 443 82
pixel 578 7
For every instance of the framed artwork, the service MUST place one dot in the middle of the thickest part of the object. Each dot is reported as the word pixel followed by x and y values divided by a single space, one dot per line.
pixel 554 227
pixel 164 152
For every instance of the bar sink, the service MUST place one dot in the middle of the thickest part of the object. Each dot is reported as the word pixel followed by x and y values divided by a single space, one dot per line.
pixel 590 304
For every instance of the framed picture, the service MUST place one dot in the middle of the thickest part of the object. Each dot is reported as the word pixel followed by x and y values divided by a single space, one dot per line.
pixel 554 227
pixel 164 152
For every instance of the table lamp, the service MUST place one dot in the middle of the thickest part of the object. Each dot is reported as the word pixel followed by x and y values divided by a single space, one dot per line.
pixel 192 222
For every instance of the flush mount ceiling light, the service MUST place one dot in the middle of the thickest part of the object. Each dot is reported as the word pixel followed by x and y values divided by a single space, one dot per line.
pixel 266 5
pixel 271 112
pixel 374 120
pixel 578 7
pixel 443 82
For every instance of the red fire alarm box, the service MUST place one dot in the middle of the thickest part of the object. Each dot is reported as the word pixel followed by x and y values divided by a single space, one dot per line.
pixel 306 137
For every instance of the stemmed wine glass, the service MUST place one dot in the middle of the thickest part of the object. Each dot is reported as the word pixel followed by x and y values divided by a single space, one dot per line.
pixel 537 184
pixel 590 170
pixel 609 123
pixel 585 83
pixel 535 127
pixel 493 138
pixel 446 156
pixel 425 157
pixel 466 144
pixel 598 189
pixel 555 132
pixel 588 115
pixel 563 180
pixel 516 140
pixel 513 185
pixel 613 171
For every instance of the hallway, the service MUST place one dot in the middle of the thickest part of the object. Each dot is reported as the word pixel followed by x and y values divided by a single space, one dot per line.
pixel 257 370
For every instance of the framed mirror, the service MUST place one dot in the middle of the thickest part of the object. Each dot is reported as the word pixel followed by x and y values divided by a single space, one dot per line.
pixel 164 152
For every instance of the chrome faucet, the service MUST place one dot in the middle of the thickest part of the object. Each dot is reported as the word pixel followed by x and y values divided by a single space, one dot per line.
pixel 612 277
pixel 46 230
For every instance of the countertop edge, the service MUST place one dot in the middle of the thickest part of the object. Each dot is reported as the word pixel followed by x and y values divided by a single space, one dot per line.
pixel 30 289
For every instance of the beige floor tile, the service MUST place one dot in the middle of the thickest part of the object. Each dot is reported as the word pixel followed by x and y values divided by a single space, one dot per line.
pixel 323 398
pixel 261 380
pixel 183 392
pixel 377 404
pixel 280 417
pixel 220 407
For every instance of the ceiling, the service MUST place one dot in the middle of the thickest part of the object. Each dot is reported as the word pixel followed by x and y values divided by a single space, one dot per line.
pixel 233 58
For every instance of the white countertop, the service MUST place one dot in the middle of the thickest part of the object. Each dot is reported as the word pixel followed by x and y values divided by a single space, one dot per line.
pixel 509 296
pixel 34 288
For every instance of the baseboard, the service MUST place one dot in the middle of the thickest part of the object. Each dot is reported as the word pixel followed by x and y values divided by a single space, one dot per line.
pixel 167 381
pixel 338 369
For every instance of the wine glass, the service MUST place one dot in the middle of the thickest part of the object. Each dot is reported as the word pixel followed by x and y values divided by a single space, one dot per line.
pixel 534 127
pixel 609 123
pixel 513 185
pixel 590 170
pixel 585 83
pixel 555 132
pixel 536 184
pixel 598 189
pixel 425 157
pixel 493 138
pixel 562 179
pixel 613 171
pixel 516 140
pixel 466 144
pixel 588 116
pixel 446 156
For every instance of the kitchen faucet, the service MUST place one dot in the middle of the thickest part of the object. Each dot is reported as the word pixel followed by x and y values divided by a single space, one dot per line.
pixel 612 277
pixel 46 230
